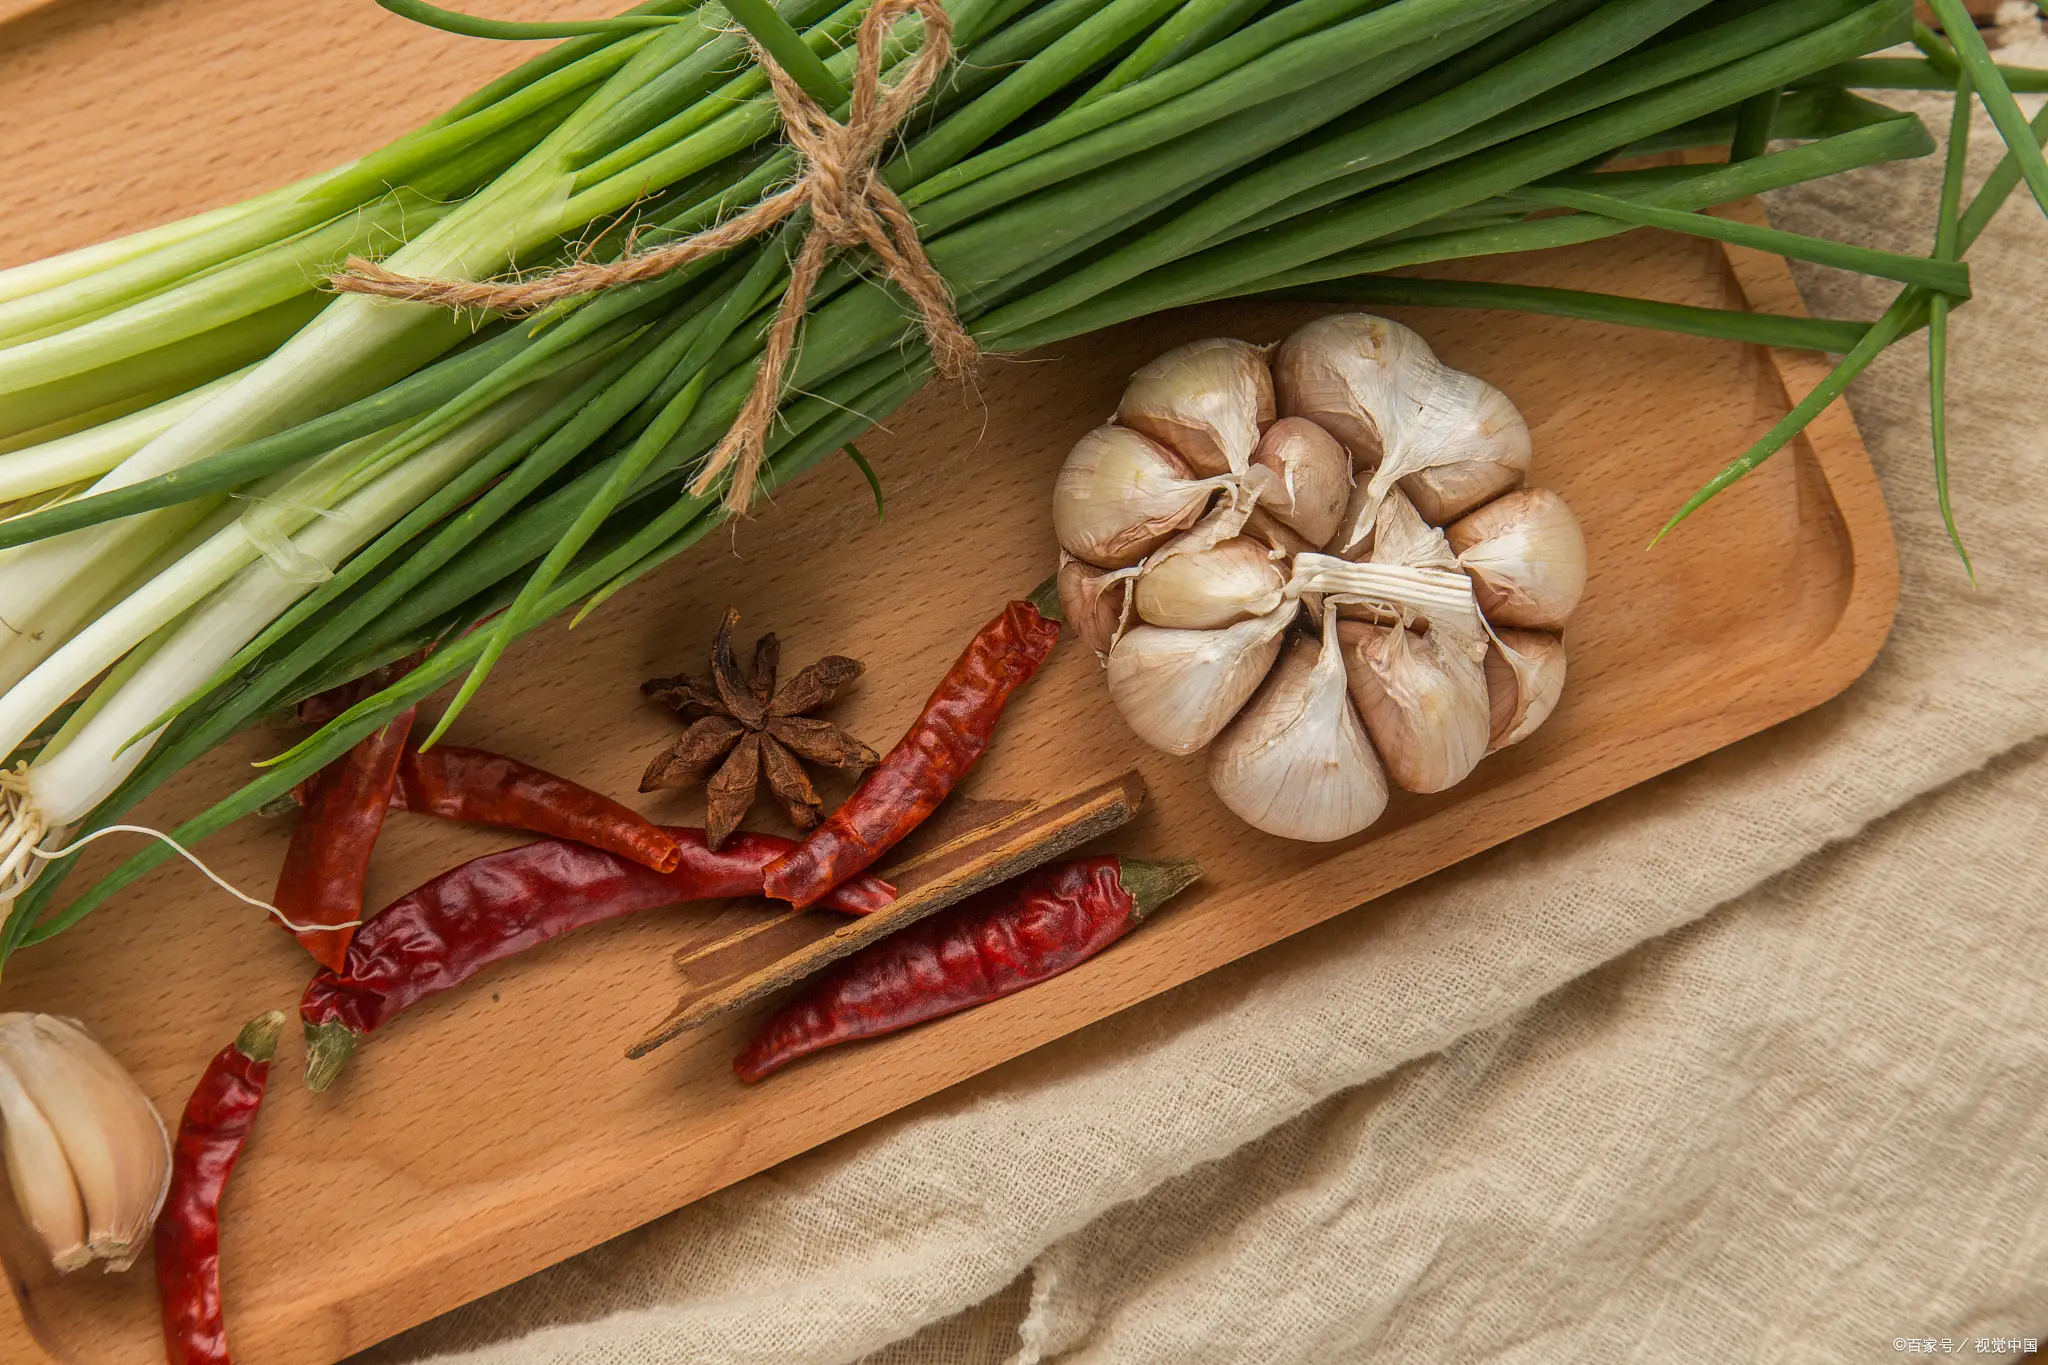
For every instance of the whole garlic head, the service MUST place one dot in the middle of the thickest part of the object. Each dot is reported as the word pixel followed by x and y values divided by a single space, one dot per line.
pixel 1282 589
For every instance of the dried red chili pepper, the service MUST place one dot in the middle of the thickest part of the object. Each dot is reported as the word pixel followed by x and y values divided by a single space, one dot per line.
pixel 945 741
pixel 483 788
pixel 321 882
pixel 493 907
pixel 218 1120
pixel 988 946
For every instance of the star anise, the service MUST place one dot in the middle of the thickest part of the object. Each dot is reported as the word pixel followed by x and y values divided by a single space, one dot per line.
pixel 742 728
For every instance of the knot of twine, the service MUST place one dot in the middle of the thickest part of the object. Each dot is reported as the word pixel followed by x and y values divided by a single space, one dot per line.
pixel 850 205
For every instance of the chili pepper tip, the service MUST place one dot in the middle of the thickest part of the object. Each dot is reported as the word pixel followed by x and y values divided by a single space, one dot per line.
pixel 1153 884
pixel 328 1048
pixel 258 1039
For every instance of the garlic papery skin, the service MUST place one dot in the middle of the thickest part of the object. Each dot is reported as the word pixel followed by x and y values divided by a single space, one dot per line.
pixel 112 1139
pixel 1443 597
pixel 1524 679
pixel 1094 601
pixel 1527 558
pixel 1423 699
pixel 1210 588
pixel 1207 401
pixel 1297 762
pixel 1312 484
pixel 1177 689
pixel 1450 439
pixel 44 1190
pixel 1120 495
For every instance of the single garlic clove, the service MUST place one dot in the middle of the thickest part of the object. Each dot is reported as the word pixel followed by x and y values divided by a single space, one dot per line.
pixel 1423 699
pixel 1177 689
pixel 1312 484
pixel 1208 589
pixel 1120 495
pixel 112 1139
pixel 1335 372
pixel 1207 401
pixel 1527 558
pixel 44 1190
pixel 1450 439
pixel 1524 679
pixel 1093 601
pixel 1493 430
pixel 1297 762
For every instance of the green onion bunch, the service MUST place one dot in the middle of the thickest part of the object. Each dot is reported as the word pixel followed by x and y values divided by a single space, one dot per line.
pixel 230 490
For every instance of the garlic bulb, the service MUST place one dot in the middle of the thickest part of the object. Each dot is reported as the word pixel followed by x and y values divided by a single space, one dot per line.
pixel 1296 762
pixel 1210 588
pixel 1178 688
pixel 1120 495
pixel 1206 401
pixel 1451 439
pixel 1424 702
pixel 1093 601
pixel 62 1087
pixel 1524 679
pixel 1199 530
pixel 1527 558
pixel 1311 487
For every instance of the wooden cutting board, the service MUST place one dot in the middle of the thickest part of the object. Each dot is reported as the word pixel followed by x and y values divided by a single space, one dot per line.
pixel 499 1129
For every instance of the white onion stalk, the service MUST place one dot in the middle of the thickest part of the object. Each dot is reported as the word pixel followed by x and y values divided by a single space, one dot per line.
pixel 217 599
pixel 354 347
pixel 92 452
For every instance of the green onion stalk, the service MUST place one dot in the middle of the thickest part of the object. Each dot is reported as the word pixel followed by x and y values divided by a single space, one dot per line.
pixel 235 492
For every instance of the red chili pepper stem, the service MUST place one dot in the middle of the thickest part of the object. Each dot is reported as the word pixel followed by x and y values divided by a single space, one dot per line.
pixel 328 1048
pixel 258 1039
pixel 1154 884
pixel 1046 598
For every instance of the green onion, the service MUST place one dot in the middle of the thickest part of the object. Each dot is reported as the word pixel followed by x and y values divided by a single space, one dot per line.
pixel 1088 161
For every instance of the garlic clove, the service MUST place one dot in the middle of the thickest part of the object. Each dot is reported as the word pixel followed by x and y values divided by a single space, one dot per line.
pixel 1093 601
pixel 1337 372
pixel 1297 762
pixel 1524 679
pixel 40 1177
pixel 1207 401
pixel 1485 423
pixel 1210 588
pixel 1527 558
pixel 1177 689
pixel 1450 439
pixel 112 1139
pixel 1312 484
pixel 1120 495
pixel 1423 699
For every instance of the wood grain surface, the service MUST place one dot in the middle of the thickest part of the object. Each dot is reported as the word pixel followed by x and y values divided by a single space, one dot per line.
pixel 497 1129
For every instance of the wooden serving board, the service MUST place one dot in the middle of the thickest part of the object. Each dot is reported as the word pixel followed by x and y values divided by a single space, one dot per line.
pixel 496 1130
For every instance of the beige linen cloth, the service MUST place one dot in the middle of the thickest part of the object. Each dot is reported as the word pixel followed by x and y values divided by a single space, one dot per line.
pixel 1749 1063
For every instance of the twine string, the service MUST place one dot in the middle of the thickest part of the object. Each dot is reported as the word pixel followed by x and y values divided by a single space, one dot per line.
pixel 842 187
